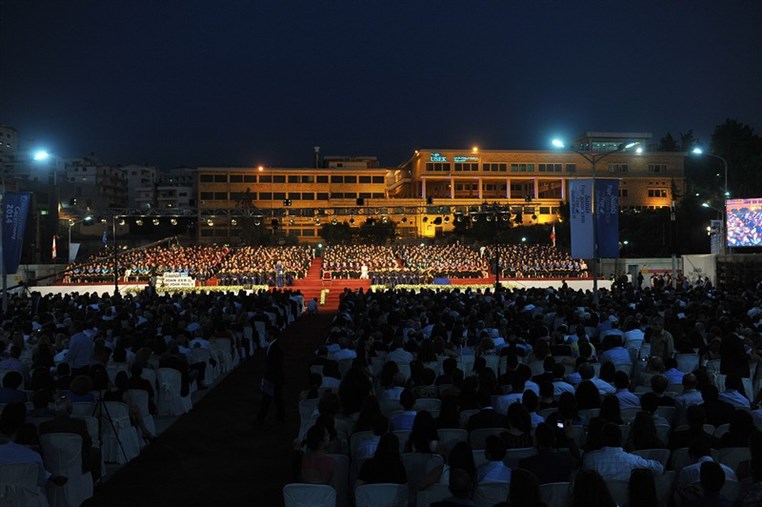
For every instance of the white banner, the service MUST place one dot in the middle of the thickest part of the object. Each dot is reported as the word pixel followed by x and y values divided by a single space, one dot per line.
pixel 170 279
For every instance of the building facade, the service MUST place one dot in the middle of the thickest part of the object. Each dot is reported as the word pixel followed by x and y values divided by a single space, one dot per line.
pixel 424 194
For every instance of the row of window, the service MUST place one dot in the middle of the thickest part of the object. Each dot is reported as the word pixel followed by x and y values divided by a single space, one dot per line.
pixel 652 192
pixel 293 178
pixel 295 196
pixel 500 167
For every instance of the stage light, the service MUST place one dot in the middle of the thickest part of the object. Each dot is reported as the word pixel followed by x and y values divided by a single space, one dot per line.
pixel 334 222
pixel 210 222
pixel 233 222
pixel 404 220
pixel 121 221
pixel 290 221
pixel 155 221
pixel 317 221
pixel 352 220
pixel 139 222
pixel 384 220
pixel 173 221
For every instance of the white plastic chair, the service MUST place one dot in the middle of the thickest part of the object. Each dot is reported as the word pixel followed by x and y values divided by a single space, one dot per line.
pixel 451 436
pixel 478 437
pixel 381 495
pixel 488 494
pixel 115 423
pixel 555 494
pixel 513 456
pixel 619 491
pixel 733 456
pixel 664 483
pixel 402 437
pixel 417 466
pixel 18 485
pixel 62 455
pixel 309 495
pixel 82 408
pixel 479 457
pixel 306 415
pixel 433 405
pixel 139 398
pixel 170 401
pixel 202 355
pixel 686 363
pixel 150 375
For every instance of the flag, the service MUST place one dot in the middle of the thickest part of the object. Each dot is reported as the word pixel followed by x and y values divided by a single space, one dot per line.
pixel 553 235
pixel 53 253
pixel 105 236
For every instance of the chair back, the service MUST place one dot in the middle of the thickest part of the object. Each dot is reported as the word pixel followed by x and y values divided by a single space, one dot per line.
pixel 402 437
pixel 309 495
pixel 660 455
pixel 555 494
pixel 433 405
pixel 139 399
pixel 18 485
pixel 171 402
pixel 478 437
pixel 487 494
pixel 434 493
pixel 619 491
pixel 513 456
pixel 306 411
pixel 734 456
pixel 340 480
pixel 451 436
pixel 418 465
pixel 381 495
pixel 82 408
pixel 62 455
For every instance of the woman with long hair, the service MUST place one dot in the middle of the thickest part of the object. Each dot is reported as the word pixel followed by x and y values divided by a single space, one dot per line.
pixel 643 434
pixel 317 467
pixel 423 436
pixel 386 464
pixel 642 488
pixel 590 490
pixel 610 409
pixel 524 490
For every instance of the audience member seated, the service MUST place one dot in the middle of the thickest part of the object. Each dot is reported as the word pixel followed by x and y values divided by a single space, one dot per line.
pixel 10 392
pixel 549 465
pixel 317 467
pixel 612 462
pixel 494 469
pixel 386 464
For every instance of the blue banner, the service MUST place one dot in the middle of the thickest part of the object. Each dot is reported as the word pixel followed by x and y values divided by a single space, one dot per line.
pixel 607 211
pixel 581 214
pixel 15 212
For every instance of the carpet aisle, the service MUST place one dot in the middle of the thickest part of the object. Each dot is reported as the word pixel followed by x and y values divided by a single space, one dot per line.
pixel 214 455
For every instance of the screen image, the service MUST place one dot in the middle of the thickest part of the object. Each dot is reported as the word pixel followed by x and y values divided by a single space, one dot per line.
pixel 744 222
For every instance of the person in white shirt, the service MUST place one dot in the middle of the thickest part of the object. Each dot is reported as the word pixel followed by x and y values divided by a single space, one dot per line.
pixel 398 354
pixel 690 475
pixel 732 393
pixel 494 470
pixel 587 372
pixel 622 385
pixel 559 384
pixel 633 335
pixel 612 462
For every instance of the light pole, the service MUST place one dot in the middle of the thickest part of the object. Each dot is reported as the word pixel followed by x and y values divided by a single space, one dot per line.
pixel 699 151
pixel 594 158
pixel 723 238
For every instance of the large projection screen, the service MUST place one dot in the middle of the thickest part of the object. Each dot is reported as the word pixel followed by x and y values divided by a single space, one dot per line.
pixel 744 222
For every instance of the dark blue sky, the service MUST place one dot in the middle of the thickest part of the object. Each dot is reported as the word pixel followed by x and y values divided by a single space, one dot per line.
pixel 184 82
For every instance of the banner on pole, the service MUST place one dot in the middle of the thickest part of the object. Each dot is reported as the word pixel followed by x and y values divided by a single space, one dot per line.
pixel 73 249
pixel 15 212
pixel 607 212
pixel 581 215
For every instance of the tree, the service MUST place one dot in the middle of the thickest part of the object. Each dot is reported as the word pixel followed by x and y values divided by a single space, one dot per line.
pixel 668 143
pixel 742 149
pixel 687 141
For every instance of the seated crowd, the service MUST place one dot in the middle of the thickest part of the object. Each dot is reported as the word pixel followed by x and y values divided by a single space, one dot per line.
pixel 226 265
pixel 63 353
pixel 645 399
pixel 537 261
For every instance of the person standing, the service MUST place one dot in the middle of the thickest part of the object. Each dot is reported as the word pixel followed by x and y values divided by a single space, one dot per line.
pixel 272 380
pixel 81 349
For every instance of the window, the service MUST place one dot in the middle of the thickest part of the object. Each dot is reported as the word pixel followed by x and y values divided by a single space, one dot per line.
pixel 522 168
pixel 437 166
pixel 206 178
pixel 350 179
pixel 293 179
pixel 308 196
pixel 495 167
pixel 623 192
pixel 266 178
pixel 236 178
pixel 657 192
pixel 544 210
pixel 322 179
pixel 378 179
pixel 279 178
pixel 571 168
pixel 308 179
pixel 308 232
pixel 249 178
pixel 265 196
pixel 365 195
pixel 220 196
pixel 350 195
pixel 657 168
pixel 322 196
pixel 296 196
pixel 364 179
pixel 466 167
pixel 337 179
pixel 378 195
pixel 220 178
pixel 549 168
pixel 337 195
pixel 207 196
pixel 618 168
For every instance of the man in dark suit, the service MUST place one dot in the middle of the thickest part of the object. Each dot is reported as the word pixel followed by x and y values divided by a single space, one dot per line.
pixel 549 464
pixel 272 380
pixel 63 422
pixel 486 417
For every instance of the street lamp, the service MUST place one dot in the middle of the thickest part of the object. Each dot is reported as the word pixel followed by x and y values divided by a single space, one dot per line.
pixel 594 158
pixel 699 151
pixel 71 224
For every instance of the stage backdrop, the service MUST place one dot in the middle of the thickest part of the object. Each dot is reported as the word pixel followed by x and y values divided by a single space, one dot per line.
pixel 607 211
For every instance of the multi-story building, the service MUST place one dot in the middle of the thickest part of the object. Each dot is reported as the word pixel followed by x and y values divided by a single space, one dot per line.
pixel 423 193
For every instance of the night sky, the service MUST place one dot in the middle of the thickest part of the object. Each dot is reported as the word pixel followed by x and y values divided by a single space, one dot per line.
pixel 191 83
